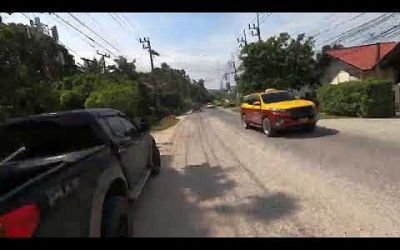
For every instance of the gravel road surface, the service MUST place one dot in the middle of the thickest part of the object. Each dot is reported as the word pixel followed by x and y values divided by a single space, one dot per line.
pixel 219 179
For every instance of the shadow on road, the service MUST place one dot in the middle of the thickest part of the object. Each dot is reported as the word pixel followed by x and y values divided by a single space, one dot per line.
pixel 264 208
pixel 206 182
pixel 317 133
pixel 169 204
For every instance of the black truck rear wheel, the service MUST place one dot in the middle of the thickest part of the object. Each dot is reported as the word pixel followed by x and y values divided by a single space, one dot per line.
pixel 116 221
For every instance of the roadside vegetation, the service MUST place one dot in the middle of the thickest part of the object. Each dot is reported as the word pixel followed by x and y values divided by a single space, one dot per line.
pixel 165 123
pixel 281 62
pixel 39 75
pixel 291 63
pixel 369 98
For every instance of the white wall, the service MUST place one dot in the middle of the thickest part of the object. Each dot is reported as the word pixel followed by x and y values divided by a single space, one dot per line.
pixel 338 72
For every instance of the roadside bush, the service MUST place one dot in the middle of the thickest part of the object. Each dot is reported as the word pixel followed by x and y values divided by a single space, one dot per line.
pixel 72 99
pixel 121 96
pixel 368 98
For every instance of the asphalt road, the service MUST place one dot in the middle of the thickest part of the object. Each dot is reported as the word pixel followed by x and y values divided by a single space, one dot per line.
pixel 219 179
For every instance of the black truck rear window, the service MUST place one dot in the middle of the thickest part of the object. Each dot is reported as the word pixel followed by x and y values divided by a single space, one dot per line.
pixel 46 137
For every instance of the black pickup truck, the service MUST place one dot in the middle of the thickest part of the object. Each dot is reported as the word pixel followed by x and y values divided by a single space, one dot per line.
pixel 73 173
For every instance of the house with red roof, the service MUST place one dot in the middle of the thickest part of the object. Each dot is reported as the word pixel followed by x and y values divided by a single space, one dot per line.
pixel 381 60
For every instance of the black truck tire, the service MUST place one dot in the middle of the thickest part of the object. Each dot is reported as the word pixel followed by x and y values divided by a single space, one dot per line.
pixel 267 129
pixel 116 221
pixel 244 123
pixel 156 158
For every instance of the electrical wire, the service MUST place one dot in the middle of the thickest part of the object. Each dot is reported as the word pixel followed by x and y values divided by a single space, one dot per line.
pixel 361 28
pixel 373 37
pixel 26 16
pixel 84 40
pixel 69 48
pixel 131 27
pixel 118 16
pixel 83 24
pixel 337 25
pixel 265 17
pixel 88 37
pixel 127 20
pixel 116 20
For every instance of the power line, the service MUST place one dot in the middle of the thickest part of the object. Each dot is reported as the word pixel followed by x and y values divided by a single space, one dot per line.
pixel 337 25
pixel 121 18
pixel 116 20
pixel 266 16
pixel 391 32
pixel 127 20
pixel 94 32
pixel 366 27
pixel 88 37
pixel 94 20
pixel 361 28
pixel 86 41
pixel 376 24
pixel 131 26
pixel 98 25
pixel 25 16
pixel 68 48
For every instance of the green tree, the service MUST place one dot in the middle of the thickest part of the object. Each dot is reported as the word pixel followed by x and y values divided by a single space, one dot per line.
pixel 123 68
pixel 122 96
pixel 279 62
pixel 75 89
pixel 31 64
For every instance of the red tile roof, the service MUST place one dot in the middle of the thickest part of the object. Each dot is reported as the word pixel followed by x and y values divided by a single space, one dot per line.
pixel 362 57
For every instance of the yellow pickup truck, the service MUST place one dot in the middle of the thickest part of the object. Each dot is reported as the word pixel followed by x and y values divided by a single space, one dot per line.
pixel 275 110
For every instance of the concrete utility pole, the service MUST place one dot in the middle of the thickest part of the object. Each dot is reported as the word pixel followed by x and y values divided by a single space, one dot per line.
pixel 255 30
pixel 378 58
pixel 231 63
pixel 102 58
pixel 147 45
pixel 242 40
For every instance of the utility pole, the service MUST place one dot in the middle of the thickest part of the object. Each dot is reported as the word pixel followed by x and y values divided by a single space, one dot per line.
pixel 102 58
pixel 231 63
pixel 378 58
pixel 242 40
pixel 255 30
pixel 147 45
pixel 87 62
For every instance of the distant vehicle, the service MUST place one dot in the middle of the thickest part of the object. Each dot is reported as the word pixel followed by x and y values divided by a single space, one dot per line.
pixel 275 110
pixel 72 174
pixel 210 105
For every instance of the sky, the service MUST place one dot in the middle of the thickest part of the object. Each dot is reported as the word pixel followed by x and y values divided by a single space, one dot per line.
pixel 199 43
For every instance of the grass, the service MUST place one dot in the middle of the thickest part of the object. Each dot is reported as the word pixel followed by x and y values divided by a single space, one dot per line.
pixel 165 123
